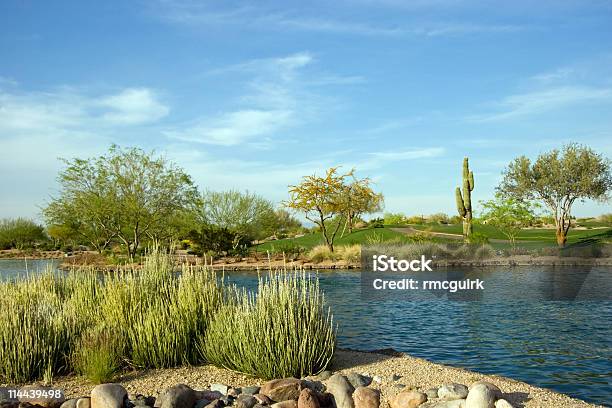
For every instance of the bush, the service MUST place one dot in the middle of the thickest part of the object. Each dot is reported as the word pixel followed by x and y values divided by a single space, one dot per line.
pixel 350 253
pixel 284 331
pixel 20 233
pixel 478 238
pixel 321 253
pixel 97 356
pixel 438 218
pixel 151 317
pixel 288 248
pixel 394 219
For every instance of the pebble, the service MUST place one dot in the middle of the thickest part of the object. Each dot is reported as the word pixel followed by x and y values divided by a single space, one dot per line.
pixel 452 391
pixel 407 399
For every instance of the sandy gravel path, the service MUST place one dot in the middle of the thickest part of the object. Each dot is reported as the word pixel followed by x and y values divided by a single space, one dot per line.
pixel 414 372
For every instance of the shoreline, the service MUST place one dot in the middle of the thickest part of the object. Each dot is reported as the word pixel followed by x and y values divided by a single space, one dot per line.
pixel 416 373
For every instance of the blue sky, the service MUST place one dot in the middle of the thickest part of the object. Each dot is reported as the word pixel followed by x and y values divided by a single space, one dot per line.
pixel 254 95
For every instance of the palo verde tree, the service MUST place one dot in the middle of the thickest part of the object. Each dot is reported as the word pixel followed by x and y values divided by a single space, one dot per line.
pixel 508 215
pixel 558 178
pixel 359 198
pixel 320 199
pixel 126 195
pixel 464 201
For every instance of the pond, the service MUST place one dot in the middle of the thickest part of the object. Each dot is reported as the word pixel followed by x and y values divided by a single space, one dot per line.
pixel 512 329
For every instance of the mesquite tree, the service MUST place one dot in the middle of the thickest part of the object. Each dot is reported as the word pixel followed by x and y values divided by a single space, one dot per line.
pixel 559 178
pixel 464 201
pixel 320 199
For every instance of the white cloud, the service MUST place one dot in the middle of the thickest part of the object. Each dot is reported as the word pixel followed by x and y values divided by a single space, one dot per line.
pixel 542 101
pixel 133 106
pixel 235 128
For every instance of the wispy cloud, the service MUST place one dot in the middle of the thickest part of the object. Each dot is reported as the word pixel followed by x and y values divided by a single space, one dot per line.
pixel 196 14
pixel 133 106
pixel 542 101
pixel 277 97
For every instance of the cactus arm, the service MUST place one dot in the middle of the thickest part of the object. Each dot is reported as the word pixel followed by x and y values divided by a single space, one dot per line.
pixel 460 206
pixel 471 180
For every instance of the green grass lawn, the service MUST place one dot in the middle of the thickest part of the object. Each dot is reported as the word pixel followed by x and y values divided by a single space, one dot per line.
pixel 308 241
pixel 532 239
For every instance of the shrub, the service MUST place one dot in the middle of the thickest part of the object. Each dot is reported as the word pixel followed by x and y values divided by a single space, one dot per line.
pixel 20 233
pixel 97 356
pixel 321 253
pixel 478 238
pixel 438 218
pixel 484 252
pixel 284 331
pixel 350 253
pixel 394 219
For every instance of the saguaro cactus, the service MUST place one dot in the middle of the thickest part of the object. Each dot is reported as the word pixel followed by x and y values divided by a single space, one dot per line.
pixel 464 201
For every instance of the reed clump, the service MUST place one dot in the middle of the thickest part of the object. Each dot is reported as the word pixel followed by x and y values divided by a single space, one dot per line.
pixel 152 317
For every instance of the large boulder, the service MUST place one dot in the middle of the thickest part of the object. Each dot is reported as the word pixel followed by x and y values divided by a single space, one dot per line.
pixel 108 396
pixel 364 397
pixel 308 399
pixel 178 396
pixel 452 391
pixel 494 388
pixel 282 389
pixel 83 403
pixel 407 399
pixel 246 401
pixel 480 396
pixel 358 380
pixel 342 390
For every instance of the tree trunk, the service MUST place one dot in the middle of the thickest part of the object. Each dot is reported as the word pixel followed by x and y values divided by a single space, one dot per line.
pixel 561 236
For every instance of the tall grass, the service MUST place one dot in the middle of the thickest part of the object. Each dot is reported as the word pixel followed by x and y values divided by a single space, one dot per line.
pixel 156 316
pixel 284 331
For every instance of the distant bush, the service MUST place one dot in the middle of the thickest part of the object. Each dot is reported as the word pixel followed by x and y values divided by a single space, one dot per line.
pixel 394 219
pixel 606 218
pixel 478 238
pixel 438 218
pixel 416 219
pixel 21 233
pixel 284 331
pixel 289 249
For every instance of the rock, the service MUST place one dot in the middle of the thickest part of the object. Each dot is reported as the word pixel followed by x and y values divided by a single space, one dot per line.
pixel 308 399
pixel 452 391
pixel 432 393
pixel 460 403
pixel 366 398
pixel 43 402
pixel 250 390
pixel 480 396
pixel 325 399
pixel 262 399
pixel 178 396
pixel 234 392
pixel 209 395
pixel 108 396
pixel 285 404
pixel 84 403
pixel 502 403
pixel 201 403
pixel 342 390
pixel 314 385
pixel 377 379
pixel 216 404
pixel 246 401
pixel 282 389
pixel 358 380
pixel 407 399
pixel 496 391
pixel 395 377
pixel 324 375
pixel 71 403
pixel 222 388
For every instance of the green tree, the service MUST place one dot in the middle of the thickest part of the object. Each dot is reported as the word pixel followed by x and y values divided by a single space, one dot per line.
pixel 249 215
pixel 508 215
pixel 20 233
pixel 320 199
pixel 359 198
pixel 558 178
pixel 126 195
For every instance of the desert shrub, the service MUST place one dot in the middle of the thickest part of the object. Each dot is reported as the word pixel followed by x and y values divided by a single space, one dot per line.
pixel 20 233
pixel 376 223
pixel 478 238
pixel 416 219
pixel 285 330
pixel 394 219
pixel 288 248
pixel 438 218
pixel 419 237
pixel 97 355
pixel 349 253
pixel 484 252
pixel 322 253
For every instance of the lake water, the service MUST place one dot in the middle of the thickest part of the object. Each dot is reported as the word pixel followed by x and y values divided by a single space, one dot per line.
pixel 510 329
